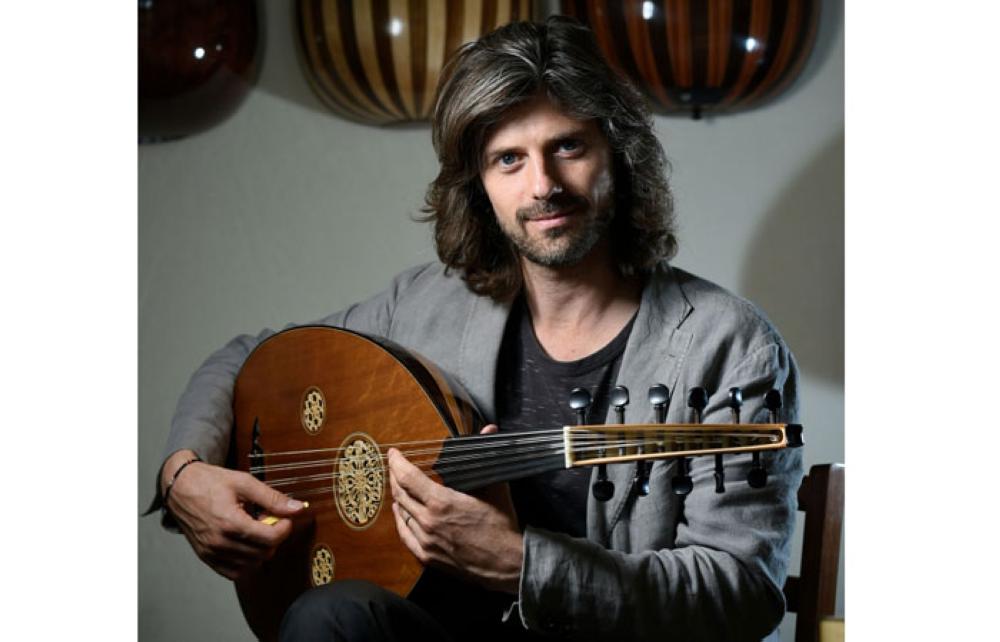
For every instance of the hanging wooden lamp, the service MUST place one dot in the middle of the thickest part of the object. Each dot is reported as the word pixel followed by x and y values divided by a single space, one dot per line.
pixel 378 61
pixel 198 60
pixel 691 56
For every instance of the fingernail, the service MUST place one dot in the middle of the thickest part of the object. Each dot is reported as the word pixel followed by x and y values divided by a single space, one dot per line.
pixel 294 504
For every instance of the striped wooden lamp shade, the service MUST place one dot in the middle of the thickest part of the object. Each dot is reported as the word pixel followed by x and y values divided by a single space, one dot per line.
pixel 694 55
pixel 378 61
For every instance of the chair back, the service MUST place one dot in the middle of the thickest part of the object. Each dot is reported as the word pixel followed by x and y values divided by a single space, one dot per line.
pixel 813 594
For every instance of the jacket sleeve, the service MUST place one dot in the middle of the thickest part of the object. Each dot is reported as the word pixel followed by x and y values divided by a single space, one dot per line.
pixel 721 576
pixel 203 419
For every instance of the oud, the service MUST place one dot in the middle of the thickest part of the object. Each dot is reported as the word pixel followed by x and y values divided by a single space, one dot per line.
pixel 317 408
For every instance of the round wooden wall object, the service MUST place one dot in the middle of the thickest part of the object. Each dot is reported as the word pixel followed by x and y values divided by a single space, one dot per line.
pixel 197 61
pixel 703 55
pixel 378 61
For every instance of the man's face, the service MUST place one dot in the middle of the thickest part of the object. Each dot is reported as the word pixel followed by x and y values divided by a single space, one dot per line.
pixel 548 177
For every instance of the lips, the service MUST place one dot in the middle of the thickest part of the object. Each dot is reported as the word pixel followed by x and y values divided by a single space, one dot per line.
pixel 548 216
pixel 552 220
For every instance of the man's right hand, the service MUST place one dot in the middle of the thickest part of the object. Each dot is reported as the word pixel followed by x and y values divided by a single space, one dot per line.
pixel 208 502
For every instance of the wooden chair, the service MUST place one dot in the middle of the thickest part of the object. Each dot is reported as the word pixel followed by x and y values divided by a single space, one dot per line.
pixel 813 595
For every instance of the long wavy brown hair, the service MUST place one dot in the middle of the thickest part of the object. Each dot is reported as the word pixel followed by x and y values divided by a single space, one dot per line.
pixel 479 85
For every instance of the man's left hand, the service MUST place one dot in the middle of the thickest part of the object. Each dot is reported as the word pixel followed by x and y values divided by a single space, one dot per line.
pixel 473 537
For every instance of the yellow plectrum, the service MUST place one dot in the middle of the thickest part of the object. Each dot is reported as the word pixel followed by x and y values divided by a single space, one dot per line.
pixel 270 520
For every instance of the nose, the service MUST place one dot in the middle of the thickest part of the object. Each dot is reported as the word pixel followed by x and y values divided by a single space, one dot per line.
pixel 545 180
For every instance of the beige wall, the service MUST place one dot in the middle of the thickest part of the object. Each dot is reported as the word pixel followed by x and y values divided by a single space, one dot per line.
pixel 285 213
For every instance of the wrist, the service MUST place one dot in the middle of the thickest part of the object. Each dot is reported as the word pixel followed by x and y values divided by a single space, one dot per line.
pixel 512 582
pixel 170 467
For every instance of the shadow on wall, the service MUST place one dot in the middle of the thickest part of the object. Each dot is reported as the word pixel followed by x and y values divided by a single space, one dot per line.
pixel 795 265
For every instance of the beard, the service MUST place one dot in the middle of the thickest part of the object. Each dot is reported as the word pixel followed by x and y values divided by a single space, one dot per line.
pixel 564 245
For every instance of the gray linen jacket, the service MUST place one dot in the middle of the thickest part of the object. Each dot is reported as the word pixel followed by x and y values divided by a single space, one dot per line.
pixel 704 567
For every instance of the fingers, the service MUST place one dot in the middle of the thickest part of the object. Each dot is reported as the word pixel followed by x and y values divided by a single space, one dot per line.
pixel 422 506
pixel 234 532
pixel 208 503
pixel 236 550
pixel 258 533
pixel 228 555
pixel 409 504
pixel 489 429
pixel 410 478
pixel 406 526
pixel 268 498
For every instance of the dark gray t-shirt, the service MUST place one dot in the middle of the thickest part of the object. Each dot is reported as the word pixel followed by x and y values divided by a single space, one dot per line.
pixel 533 394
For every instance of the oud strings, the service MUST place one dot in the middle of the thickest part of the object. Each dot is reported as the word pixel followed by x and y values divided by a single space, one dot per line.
pixel 462 464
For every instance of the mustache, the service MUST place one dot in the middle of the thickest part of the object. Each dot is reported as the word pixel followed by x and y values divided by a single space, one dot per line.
pixel 557 203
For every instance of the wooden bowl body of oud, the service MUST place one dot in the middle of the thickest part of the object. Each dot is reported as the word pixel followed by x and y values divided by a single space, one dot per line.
pixel 319 407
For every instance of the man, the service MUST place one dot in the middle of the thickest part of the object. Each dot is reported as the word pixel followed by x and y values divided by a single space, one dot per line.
pixel 553 223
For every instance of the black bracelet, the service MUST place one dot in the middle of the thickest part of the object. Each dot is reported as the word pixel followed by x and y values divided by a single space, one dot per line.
pixel 170 486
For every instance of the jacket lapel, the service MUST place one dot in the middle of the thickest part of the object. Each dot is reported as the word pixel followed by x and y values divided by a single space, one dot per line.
pixel 654 353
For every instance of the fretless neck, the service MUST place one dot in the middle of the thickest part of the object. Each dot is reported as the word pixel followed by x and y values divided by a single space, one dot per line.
pixel 468 463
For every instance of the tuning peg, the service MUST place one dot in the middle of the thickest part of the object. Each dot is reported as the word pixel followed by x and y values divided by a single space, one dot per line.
pixel 735 403
pixel 642 475
pixel 579 400
pixel 619 399
pixel 697 400
pixel 793 433
pixel 682 483
pixel 659 397
pixel 641 480
pixel 603 488
pixel 772 401
pixel 757 477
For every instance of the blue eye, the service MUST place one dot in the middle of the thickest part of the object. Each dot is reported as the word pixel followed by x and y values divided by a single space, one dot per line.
pixel 507 159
